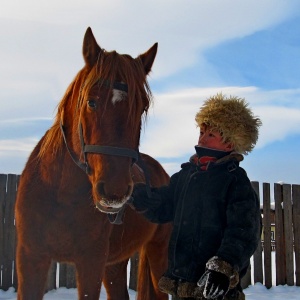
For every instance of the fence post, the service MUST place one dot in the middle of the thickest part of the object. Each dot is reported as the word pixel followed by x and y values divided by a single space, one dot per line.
pixel 296 222
pixel 51 279
pixel 288 232
pixel 267 235
pixel 279 236
pixel 257 257
pixel 9 233
pixel 3 179
pixel 134 265
pixel 246 280
pixel 67 275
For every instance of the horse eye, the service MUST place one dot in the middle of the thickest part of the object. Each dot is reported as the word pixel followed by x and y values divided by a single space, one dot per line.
pixel 92 104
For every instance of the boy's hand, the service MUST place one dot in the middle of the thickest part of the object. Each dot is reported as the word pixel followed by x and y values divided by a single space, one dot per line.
pixel 140 199
pixel 215 285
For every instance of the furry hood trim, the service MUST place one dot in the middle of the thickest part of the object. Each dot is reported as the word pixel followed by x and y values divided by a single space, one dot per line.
pixel 233 119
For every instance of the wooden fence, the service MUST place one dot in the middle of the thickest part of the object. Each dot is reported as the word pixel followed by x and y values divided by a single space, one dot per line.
pixel 287 240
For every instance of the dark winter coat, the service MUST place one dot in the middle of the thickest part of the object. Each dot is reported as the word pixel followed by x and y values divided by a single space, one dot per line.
pixel 214 212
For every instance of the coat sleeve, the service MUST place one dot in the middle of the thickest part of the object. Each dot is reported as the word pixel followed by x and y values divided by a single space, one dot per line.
pixel 159 207
pixel 243 223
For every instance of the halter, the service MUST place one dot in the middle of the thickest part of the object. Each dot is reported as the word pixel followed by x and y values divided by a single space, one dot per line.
pixel 99 149
pixel 109 150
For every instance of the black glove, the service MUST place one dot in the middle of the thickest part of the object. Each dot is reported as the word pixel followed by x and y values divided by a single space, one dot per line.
pixel 141 200
pixel 215 284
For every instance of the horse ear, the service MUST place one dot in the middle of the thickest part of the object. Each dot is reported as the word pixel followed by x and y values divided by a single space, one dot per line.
pixel 148 58
pixel 90 48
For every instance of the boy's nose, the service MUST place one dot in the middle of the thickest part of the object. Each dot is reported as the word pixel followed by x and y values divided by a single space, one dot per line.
pixel 202 138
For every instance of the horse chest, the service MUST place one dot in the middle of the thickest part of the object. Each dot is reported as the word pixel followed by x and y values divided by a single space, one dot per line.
pixel 71 227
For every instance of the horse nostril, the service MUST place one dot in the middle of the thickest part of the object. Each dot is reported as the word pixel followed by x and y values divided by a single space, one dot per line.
pixel 111 192
pixel 100 189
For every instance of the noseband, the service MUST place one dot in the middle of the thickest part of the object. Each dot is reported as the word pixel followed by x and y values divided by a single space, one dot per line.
pixel 117 151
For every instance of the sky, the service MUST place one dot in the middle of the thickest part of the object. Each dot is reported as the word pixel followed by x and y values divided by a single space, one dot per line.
pixel 249 49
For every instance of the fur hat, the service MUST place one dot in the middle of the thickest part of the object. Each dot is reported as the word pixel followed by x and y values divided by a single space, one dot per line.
pixel 233 119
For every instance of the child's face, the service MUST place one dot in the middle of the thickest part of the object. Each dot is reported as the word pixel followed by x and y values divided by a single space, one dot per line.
pixel 212 139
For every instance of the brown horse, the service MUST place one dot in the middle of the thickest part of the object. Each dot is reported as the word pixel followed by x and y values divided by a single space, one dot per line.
pixel 82 170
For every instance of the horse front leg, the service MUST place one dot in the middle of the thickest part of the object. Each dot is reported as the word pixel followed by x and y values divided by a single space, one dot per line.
pixel 152 264
pixel 90 270
pixel 115 281
pixel 32 272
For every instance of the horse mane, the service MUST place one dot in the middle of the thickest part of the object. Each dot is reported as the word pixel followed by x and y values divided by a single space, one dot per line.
pixel 110 67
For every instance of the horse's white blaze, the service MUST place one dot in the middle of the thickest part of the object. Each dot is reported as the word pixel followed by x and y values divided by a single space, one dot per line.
pixel 118 96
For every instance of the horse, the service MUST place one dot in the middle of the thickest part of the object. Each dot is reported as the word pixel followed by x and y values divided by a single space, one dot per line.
pixel 81 174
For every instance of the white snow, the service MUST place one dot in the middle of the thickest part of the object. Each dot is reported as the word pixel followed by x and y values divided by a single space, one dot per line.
pixel 254 292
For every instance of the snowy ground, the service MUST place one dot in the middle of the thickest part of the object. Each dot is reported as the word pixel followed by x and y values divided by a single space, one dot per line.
pixel 256 292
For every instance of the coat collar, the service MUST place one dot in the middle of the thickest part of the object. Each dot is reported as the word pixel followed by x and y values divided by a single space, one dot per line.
pixel 205 157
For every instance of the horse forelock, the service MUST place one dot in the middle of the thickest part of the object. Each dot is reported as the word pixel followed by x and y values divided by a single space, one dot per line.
pixel 111 67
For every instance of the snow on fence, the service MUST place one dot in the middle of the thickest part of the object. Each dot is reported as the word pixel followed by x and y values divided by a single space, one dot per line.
pixel 281 230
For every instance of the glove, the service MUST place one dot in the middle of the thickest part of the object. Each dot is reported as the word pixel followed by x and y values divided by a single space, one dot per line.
pixel 215 284
pixel 140 199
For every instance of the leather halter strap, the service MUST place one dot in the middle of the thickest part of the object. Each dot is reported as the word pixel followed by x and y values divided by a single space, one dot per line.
pixel 79 163
pixel 109 150
pixel 118 151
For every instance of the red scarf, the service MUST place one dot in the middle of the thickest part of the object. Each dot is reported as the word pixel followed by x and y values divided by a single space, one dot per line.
pixel 203 161
pixel 204 156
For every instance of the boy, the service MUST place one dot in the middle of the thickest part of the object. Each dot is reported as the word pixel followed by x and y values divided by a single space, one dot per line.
pixel 214 210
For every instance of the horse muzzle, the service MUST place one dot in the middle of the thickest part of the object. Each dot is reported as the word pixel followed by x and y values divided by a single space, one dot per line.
pixel 111 206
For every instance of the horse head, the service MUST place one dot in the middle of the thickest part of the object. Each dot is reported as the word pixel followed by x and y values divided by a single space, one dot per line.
pixel 101 123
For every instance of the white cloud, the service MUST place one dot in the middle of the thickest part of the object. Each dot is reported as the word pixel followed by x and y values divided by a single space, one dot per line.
pixel 171 131
pixel 278 123
pixel 41 52
pixel 183 29
pixel 17 146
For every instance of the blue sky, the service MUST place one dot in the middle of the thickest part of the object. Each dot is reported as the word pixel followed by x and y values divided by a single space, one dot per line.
pixel 249 49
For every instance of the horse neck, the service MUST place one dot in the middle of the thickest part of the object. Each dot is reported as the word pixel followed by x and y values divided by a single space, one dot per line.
pixel 57 168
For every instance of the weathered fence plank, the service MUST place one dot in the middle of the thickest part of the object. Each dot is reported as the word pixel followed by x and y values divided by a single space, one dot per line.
pixel 257 257
pixel 279 236
pixel 246 280
pixel 134 265
pixel 3 179
pixel 67 275
pixel 258 265
pixel 267 234
pixel 288 232
pixel 9 233
pixel 296 223
pixel 51 281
